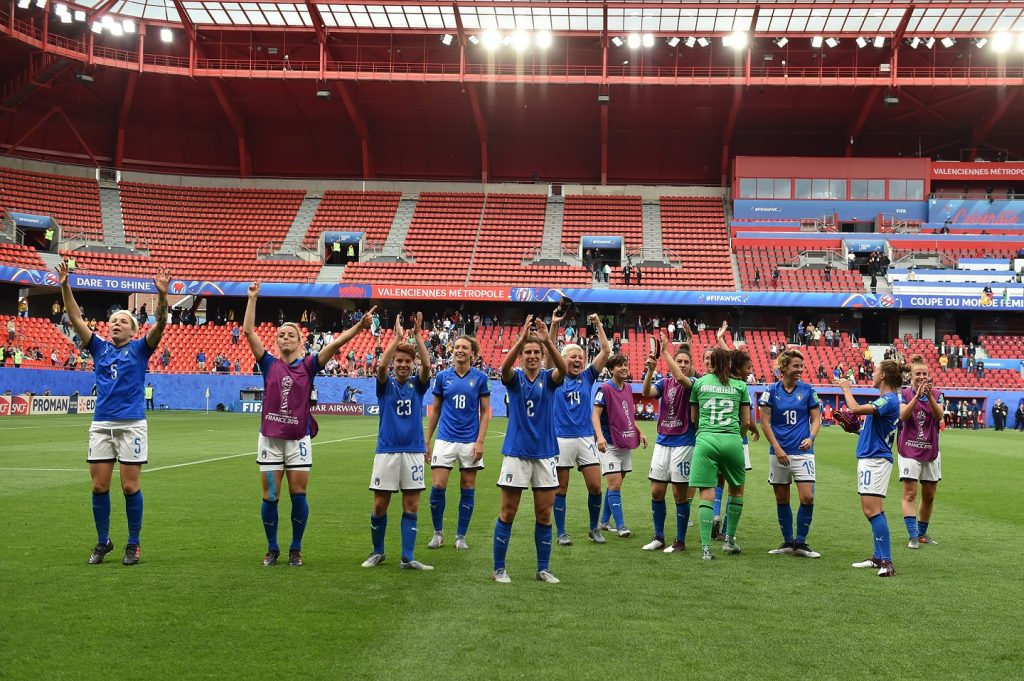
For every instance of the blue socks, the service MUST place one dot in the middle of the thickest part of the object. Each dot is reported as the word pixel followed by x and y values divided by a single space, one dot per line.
pixel 880 533
pixel 101 515
pixel 378 528
pixel 725 517
pixel 408 535
pixel 613 498
pixel 785 514
pixel 467 500
pixel 682 520
pixel 542 538
pixel 606 511
pixel 300 514
pixel 268 511
pixel 560 513
pixel 804 514
pixel 658 510
pixel 133 506
pixel 594 506
pixel 913 529
pixel 502 534
pixel 922 528
pixel 718 501
pixel 437 504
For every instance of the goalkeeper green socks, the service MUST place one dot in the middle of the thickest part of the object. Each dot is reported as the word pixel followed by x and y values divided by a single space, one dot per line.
pixel 733 513
pixel 705 519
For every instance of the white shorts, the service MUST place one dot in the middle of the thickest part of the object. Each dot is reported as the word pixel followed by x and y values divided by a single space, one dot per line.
pixel 520 473
pixel 671 464
pixel 873 477
pixel 746 458
pixel 398 472
pixel 121 441
pixel 277 454
pixel 577 451
pixel 921 471
pixel 800 469
pixel 447 453
pixel 616 460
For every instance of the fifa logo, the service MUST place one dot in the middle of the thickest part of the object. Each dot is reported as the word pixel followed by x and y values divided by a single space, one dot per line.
pixel 286 388
pixel 920 417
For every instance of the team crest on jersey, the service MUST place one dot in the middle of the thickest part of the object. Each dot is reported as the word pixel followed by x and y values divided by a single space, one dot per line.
pixel 508 477
pixel 376 482
pixel 799 397
pixel 472 383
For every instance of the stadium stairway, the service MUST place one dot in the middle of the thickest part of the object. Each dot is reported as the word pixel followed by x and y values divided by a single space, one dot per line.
pixel 110 212
pixel 551 242
pixel 292 243
pixel 395 242
pixel 330 274
pixel 653 249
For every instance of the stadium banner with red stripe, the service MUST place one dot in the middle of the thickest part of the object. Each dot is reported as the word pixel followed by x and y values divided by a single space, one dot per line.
pixel 948 170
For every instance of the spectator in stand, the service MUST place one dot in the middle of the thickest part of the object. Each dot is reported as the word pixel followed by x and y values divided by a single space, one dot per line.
pixel 851 260
pixel 828 271
pixel 874 281
pixel 774 351
pixel 817 335
pixel 638 274
pixel 627 272
pixel 236 332
pixel 55 313
pixel 970 365
pixel 23 307
pixel 829 337
pixel 980 366
pixel 680 336
pixel 12 330
pixel 18 357
pixel 775 276
pixel 54 359
pixel 942 347
pixel 201 360
pixel 822 374
pixel 757 278
pixel 943 362
pixel 597 271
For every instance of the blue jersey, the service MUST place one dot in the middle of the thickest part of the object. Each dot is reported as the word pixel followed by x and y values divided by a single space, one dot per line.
pixel 879 431
pixel 572 404
pixel 790 415
pixel 401 415
pixel 460 404
pixel 531 431
pixel 686 439
pixel 120 378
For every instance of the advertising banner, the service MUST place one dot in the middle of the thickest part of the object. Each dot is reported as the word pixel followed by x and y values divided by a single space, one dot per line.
pixel 603 242
pixel 859 211
pixel 21 405
pixel 30 221
pixel 972 212
pixel 49 405
pixel 942 170
pixel 5 405
pixel 86 405
pixel 342 237
pixel 344 409
pixel 251 407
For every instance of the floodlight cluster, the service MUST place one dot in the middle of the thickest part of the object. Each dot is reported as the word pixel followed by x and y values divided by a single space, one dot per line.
pixel 493 40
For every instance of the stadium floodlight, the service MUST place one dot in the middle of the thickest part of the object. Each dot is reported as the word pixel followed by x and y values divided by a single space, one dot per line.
pixel 737 40
pixel 1001 42
pixel 116 30
pixel 948 42
pixel 491 40
pixel 914 42
pixel 41 4
pixel 129 26
pixel 831 42
pixel 862 42
pixel 703 42
pixel 634 41
pixel 79 15
pixel 543 39
pixel 65 18
pixel 617 41
pixel 930 43
pixel 816 41
pixel 24 4
pixel 60 8
pixel 166 35
pixel 474 40
pixel 108 22
pixel 1020 42
pixel 981 42
pixel 672 42
pixel 690 42
pixel 447 39
pixel 647 40
pixel 97 27
pixel 506 40
pixel 782 42
pixel 520 41
pixel 879 41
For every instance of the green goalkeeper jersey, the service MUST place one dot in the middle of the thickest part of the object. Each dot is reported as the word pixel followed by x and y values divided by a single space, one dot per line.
pixel 719 404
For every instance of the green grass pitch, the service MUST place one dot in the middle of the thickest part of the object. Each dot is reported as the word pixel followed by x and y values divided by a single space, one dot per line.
pixel 199 605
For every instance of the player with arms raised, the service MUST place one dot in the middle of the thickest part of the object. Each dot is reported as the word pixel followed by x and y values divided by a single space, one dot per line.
pixel 399 463
pixel 574 429
pixel 791 419
pixel 874 458
pixel 119 431
pixel 673 450
pixel 530 449
pixel 462 407
pixel 720 405
pixel 918 448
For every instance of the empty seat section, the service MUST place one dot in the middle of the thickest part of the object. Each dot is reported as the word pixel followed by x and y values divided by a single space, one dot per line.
pixel 353 211
pixel 762 260
pixel 17 255
pixel 74 202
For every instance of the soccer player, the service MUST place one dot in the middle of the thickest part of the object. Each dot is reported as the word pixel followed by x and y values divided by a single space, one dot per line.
pixel 574 429
pixel 673 449
pixel 791 419
pixel 462 407
pixel 874 458
pixel 530 449
pixel 119 431
pixel 720 405
pixel 617 436
pixel 286 424
pixel 918 450
pixel 399 462
pixel 740 366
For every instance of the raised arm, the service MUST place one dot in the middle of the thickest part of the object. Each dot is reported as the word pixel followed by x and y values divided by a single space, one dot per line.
pixel 673 366
pixel 720 335
pixel 421 349
pixel 71 305
pixel 344 338
pixel 851 401
pixel 556 357
pixel 606 346
pixel 249 323
pixel 556 323
pixel 508 365
pixel 649 366
pixel 162 280
pixel 389 352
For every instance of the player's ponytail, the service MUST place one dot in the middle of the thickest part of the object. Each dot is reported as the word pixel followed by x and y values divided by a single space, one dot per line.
pixel 892 373
pixel 721 365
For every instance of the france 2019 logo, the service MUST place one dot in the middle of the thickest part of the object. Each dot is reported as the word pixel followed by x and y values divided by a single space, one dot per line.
pixel 523 295
pixel 50 279
pixel 886 301
pixel 178 287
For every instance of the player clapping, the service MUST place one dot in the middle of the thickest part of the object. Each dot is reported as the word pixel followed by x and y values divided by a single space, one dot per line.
pixel 918 449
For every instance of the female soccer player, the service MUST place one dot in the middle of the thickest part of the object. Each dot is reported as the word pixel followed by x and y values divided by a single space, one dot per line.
pixel 399 462
pixel 918 449
pixel 874 457
pixel 462 406
pixel 286 424
pixel 673 449
pixel 574 429
pixel 530 449
pixel 617 435
pixel 791 419
pixel 119 430
pixel 740 366
pixel 720 405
